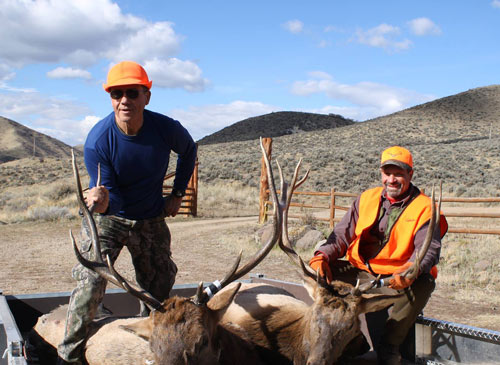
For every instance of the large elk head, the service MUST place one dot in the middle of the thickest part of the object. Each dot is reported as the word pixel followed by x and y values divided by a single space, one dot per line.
pixel 183 330
pixel 332 321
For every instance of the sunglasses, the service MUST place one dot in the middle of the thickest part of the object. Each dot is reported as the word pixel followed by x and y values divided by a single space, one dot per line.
pixel 117 94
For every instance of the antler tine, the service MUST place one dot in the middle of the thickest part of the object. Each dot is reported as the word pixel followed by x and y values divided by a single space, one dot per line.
pixel 284 243
pixel 106 271
pixel 270 175
pixel 86 213
pixel 202 297
pixel 412 272
pixel 97 183
pixel 110 274
pixel 362 288
pixel 294 185
pixel 233 268
pixel 284 189
pixel 235 273
pixel 135 291
pixel 97 267
pixel 266 248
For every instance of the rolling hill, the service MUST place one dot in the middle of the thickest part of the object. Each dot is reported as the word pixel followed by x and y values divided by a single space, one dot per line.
pixel 455 139
pixel 18 141
pixel 275 125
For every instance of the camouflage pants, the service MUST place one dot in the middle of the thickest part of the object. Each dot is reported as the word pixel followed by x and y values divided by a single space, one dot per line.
pixel 384 327
pixel 148 242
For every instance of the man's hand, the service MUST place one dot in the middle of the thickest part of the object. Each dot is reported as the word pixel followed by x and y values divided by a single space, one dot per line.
pixel 398 281
pixel 319 263
pixel 172 205
pixel 98 199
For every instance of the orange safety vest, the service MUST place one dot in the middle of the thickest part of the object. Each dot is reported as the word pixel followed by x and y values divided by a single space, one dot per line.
pixel 400 247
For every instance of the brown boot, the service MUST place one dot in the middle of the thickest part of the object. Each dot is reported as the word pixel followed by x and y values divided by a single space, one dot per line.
pixel 388 354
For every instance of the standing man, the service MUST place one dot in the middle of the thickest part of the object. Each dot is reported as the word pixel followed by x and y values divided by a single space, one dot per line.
pixel 132 147
pixel 380 234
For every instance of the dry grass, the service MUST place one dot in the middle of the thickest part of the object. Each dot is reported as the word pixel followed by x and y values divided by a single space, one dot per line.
pixel 41 202
pixel 454 139
pixel 227 199
pixel 469 267
pixel 470 264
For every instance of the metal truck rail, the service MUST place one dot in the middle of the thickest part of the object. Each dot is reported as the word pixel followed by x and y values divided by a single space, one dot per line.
pixel 435 342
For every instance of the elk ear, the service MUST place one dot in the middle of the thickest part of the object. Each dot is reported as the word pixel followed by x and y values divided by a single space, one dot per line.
pixel 142 328
pixel 311 286
pixel 375 302
pixel 222 300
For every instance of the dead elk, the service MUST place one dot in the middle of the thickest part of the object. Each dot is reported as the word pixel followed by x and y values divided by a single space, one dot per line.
pixel 179 330
pixel 288 331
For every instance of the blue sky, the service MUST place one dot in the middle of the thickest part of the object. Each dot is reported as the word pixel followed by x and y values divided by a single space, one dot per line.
pixel 214 63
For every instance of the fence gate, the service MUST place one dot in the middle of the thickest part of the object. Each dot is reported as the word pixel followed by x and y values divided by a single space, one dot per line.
pixel 189 204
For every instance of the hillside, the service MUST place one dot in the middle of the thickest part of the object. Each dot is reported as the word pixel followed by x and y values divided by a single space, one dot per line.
pixel 275 125
pixel 456 139
pixel 18 141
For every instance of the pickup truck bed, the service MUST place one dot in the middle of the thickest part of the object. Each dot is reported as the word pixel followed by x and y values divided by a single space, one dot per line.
pixel 433 341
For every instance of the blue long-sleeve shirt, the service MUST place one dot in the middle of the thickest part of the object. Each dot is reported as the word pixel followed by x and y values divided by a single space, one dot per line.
pixel 133 167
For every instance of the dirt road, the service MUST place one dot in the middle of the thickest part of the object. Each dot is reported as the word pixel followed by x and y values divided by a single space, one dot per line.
pixel 38 257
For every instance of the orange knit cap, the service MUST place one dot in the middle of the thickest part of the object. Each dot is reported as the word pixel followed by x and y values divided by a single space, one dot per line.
pixel 398 156
pixel 127 73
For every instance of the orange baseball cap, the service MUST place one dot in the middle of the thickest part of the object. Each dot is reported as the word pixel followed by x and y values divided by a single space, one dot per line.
pixel 398 156
pixel 127 73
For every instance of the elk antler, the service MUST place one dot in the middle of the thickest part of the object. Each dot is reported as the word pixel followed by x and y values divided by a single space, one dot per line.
pixel 412 271
pixel 284 206
pixel 104 270
pixel 203 296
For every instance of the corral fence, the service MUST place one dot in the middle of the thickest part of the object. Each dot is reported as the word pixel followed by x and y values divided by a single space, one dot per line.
pixel 325 204
pixel 189 204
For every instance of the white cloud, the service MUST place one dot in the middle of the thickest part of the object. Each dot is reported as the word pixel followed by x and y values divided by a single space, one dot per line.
pixel 323 44
pixel 69 73
pixel 204 120
pixel 55 117
pixel 82 57
pixel 6 74
pixel 81 33
pixel 146 42
pixel 294 26
pixel 319 75
pixel 423 26
pixel 71 132
pixel 383 36
pixel 355 113
pixel 173 73
pixel 48 30
pixel 495 3
pixel 333 28
pixel 379 99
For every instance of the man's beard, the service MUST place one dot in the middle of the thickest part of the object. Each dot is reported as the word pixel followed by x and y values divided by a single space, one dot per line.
pixel 393 191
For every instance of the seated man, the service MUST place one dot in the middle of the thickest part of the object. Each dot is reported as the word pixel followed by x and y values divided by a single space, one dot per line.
pixel 380 234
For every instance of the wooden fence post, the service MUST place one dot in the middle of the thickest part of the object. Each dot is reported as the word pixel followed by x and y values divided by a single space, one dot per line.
pixel 332 207
pixel 264 183
pixel 193 183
